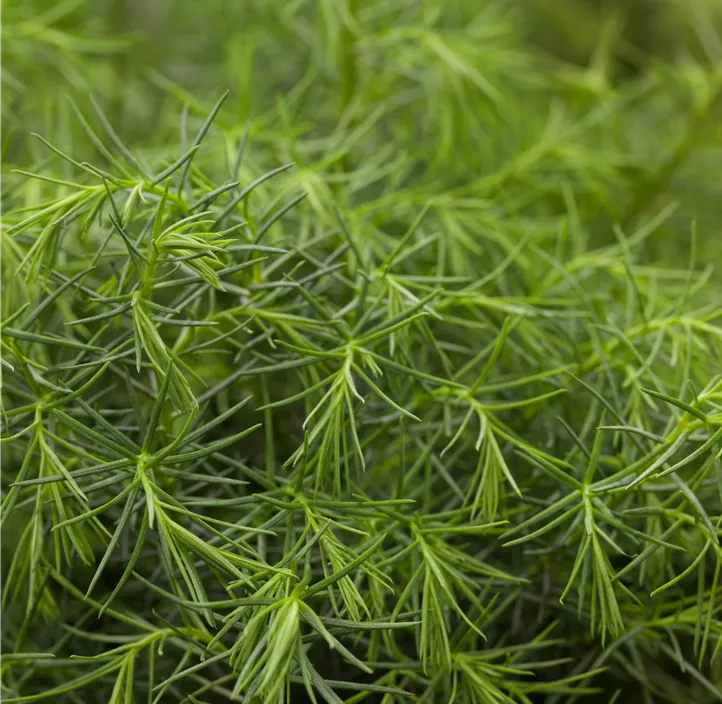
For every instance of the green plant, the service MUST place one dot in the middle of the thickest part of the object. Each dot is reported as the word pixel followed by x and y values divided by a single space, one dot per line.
pixel 393 375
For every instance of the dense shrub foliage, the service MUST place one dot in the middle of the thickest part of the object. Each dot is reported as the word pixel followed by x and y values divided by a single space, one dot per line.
pixel 390 374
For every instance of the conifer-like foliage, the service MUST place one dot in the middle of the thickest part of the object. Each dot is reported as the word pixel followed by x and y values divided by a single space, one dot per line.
pixel 361 351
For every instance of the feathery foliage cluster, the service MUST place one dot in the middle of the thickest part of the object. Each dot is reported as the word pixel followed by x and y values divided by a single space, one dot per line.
pixel 390 375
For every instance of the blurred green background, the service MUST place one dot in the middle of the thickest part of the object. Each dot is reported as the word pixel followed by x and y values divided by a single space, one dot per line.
pixel 613 103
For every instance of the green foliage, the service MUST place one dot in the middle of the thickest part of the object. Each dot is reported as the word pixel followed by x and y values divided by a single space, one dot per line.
pixel 361 351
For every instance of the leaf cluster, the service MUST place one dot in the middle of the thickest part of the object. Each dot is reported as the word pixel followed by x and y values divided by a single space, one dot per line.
pixel 392 376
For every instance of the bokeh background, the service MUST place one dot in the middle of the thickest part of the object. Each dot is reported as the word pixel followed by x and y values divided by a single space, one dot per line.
pixel 615 101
